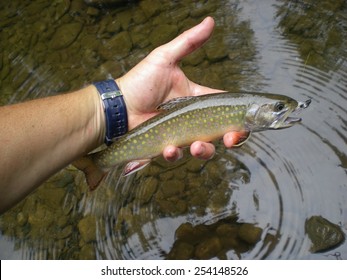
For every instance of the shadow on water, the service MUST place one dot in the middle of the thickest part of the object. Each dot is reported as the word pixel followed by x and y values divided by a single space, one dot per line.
pixel 248 203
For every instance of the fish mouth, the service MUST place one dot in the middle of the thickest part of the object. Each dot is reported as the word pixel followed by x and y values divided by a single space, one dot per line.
pixel 288 120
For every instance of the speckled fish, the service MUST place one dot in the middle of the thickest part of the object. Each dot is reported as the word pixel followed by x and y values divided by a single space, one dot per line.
pixel 182 121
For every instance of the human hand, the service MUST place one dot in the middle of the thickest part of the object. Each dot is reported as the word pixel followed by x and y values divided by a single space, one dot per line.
pixel 158 78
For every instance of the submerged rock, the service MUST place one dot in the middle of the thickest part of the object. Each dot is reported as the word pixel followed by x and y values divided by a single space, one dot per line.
pixel 323 234
pixel 66 35
pixel 105 2
pixel 250 233
pixel 87 228
pixel 208 248
pixel 214 240
pixel 162 34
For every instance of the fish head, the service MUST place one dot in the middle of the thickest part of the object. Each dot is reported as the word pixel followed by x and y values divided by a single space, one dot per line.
pixel 274 112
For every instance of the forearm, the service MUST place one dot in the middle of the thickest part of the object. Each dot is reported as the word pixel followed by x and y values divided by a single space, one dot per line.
pixel 40 137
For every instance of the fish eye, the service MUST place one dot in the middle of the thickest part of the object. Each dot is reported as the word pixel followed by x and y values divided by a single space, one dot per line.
pixel 279 106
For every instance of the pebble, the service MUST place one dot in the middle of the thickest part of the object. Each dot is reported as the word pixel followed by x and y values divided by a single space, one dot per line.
pixel 323 234
pixel 65 35
pixel 87 228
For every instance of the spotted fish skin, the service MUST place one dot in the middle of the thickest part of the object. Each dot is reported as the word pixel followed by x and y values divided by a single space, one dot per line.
pixel 184 120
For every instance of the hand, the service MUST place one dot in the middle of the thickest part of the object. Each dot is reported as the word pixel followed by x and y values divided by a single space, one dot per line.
pixel 158 78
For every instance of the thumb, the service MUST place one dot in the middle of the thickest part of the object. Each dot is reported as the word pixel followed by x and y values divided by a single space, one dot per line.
pixel 189 40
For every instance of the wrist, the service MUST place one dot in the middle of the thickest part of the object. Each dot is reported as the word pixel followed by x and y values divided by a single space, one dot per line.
pixel 98 124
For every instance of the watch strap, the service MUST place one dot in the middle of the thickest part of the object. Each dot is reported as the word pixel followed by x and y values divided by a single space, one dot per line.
pixel 115 109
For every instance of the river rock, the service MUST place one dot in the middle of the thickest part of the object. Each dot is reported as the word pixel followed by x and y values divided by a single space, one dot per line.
pixel 162 34
pixel 109 68
pixel 323 234
pixel 208 248
pixel 250 233
pixel 147 189
pixel 195 58
pixel 172 188
pixel 150 7
pixel 185 232
pixel 87 228
pixel 94 12
pixel 87 252
pixel 65 35
pixel 105 2
pixel 116 47
pixel 52 197
pixel 181 251
pixel 204 9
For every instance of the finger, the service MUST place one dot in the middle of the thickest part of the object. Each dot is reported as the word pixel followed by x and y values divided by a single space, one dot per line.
pixel 202 150
pixel 234 138
pixel 172 153
pixel 189 40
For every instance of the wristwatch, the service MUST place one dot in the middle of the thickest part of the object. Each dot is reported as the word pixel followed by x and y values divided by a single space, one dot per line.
pixel 115 109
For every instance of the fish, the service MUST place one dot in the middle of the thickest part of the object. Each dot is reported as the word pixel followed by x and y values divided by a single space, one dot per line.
pixel 183 120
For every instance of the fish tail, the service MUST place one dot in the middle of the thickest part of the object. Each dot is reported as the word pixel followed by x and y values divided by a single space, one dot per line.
pixel 92 172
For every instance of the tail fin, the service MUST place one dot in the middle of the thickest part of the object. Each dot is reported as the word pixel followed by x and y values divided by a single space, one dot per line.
pixel 93 173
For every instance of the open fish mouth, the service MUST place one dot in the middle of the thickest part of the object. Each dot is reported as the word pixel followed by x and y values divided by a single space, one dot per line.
pixel 290 120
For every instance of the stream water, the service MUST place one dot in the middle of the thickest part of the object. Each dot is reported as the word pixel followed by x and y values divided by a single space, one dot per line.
pixel 252 202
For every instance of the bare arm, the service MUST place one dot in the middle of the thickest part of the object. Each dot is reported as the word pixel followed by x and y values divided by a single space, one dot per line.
pixel 40 137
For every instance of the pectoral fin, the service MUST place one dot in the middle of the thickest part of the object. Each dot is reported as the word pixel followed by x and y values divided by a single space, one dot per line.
pixel 135 166
pixel 243 138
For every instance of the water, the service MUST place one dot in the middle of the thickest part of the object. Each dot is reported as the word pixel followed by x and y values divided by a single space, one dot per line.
pixel 272 184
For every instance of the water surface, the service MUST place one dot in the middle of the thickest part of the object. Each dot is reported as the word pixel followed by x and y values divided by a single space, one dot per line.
pixel 259 195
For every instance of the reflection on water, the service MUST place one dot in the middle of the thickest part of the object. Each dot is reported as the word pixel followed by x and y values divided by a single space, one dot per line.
pixel 267 189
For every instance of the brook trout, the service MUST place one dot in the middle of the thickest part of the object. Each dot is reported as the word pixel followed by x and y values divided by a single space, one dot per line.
pixel 182 121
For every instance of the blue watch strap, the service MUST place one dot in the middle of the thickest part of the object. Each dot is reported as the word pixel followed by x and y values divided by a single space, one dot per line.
pixel 115 109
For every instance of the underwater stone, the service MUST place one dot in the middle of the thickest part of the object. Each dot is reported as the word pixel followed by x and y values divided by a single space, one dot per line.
pixel 250 233
pixel 52 196
pixel 87 228
pixel 185 232
pixel 181 251
pixel 21 219
pixel 150 7
pixel 162 34
pixel 64 233
pixel 106 69
pixel 195 58
pixel 147 189
pixel 43 217
pixel 195 165
pixel 117 47
pixel 323 234
pixel 93 11
pixel 227 230
pixel 65 35
pixel 204 9
pixel 172 188
pixel 208 248
pixel 105 2
pixel 87 252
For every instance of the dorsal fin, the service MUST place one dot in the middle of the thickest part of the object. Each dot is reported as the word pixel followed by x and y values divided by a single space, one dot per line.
pixel 173 103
